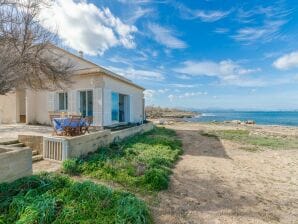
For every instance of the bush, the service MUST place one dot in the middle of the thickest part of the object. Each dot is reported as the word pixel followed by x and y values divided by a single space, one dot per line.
pixel 127 162
pixel 157 179
pixel 52 198
pixel 70 167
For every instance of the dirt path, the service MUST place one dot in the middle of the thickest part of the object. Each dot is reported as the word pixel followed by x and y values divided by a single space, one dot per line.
pixel 215 183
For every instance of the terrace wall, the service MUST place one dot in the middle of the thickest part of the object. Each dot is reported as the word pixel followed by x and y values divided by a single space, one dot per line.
pixel 14 163
pixel 62 148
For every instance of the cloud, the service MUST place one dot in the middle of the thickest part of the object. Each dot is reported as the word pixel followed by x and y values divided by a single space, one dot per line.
pixel 287 61
pixel 162 91
pixel 185 95
pixel 136 9
pixel 171 97
pixel 223 69
pixel 203 15
pixel 179 85
pixel 261 23
pixel 84 26
pixel 138 74
pixel 221 30
pixel 266 32
pixel 191 94
pixel 149 94
pixel 227 71
pixel 166 37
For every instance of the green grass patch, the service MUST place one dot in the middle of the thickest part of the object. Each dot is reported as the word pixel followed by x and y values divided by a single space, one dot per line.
pixel 245 137
pixel 52 198
pixel 142 162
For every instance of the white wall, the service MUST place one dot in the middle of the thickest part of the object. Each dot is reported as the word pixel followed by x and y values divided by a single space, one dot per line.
pixel 136 99
pixel 39 104
pixel 8 108
pixel 43 102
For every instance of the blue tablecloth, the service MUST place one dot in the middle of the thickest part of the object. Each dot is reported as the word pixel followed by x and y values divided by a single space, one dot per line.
pixel 61 123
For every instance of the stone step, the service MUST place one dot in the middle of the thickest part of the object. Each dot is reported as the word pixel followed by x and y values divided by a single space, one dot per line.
pixel 34 152
pixel 36 158
pixel 17 145
pixel 9 142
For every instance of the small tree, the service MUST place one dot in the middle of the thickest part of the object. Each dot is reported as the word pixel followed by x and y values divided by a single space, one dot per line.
pixel 27 56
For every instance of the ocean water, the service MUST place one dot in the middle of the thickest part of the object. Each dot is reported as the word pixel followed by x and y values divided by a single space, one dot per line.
pixel 288 118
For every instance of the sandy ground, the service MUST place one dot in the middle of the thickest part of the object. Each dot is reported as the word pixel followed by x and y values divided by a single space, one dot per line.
pixel 215 182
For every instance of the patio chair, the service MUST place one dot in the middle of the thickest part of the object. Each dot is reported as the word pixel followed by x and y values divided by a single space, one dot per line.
pixel 52 117
pixel 75 125
pixel 86 123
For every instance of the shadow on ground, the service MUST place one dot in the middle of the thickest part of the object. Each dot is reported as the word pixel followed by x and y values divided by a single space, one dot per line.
pixel 203 145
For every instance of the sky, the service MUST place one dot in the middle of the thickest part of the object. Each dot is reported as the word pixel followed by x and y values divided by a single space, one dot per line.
pixel 199 54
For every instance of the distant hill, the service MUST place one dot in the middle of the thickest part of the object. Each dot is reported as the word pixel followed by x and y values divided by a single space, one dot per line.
pixel 158 112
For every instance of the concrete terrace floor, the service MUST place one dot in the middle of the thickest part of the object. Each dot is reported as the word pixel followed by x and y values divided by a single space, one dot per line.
pixel 12 131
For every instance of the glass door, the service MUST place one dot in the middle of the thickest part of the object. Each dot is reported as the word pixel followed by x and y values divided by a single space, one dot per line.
pixel 86 103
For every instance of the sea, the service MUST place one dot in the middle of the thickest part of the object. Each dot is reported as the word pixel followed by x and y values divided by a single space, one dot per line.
pixel 285 118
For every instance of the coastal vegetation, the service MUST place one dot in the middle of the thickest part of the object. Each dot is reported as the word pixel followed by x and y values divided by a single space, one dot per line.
pixel 158 112
pixel 53 198
pixel 142 162
pixel 254 141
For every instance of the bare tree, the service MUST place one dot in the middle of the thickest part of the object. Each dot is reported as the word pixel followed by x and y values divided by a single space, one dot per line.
pixel 27 56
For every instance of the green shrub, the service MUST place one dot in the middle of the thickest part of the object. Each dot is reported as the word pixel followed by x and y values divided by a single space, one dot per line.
pixel 127 162
pixel 252 139
pixel 130 210
pixel 70 167
pixel 157 179
pixel 52 198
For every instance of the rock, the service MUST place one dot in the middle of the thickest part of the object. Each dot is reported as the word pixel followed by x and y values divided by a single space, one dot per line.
pixel 160 121
pixel 141 168
pixel 250 122
pixel 236 121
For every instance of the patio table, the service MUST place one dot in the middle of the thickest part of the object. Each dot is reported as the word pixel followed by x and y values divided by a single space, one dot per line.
pixel 66 124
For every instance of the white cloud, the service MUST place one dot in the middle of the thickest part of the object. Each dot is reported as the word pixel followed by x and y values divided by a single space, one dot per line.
pixel 287 61
pixel 227 71
pixel 266 32
pixel 166 37
pixel 138 74
pixel 262 23
pixel 210 16
pixel 221 30
pixel 191 94
pixel 149 96
pixel 203 15
pixel 149 93
pixel 185 95
pixel 171 97
pixel 179 85
pixel 138 13
pixel 162 91
pixel 223 69
pixel 84 26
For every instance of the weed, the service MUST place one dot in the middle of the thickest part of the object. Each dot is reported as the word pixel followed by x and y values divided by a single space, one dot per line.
pixel 52 198
pixel 141 162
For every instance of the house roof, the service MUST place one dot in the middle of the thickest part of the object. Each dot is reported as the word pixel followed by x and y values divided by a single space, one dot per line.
pixel 94 68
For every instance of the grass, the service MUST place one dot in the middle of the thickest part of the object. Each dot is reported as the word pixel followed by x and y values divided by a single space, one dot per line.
pixel 52 198
pixel 258 141
pixel 142 162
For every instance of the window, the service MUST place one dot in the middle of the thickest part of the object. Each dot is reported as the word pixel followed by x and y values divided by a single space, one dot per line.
pixel 86 103
pixel 63 101
pixel 115 106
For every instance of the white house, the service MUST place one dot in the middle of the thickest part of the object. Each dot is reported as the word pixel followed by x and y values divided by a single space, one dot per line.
pixel 95 91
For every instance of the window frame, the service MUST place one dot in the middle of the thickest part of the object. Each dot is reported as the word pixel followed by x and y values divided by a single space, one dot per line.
pixel 65 102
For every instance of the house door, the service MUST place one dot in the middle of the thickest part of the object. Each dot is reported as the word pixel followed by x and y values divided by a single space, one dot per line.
pixel 86 103
pixel 21 98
